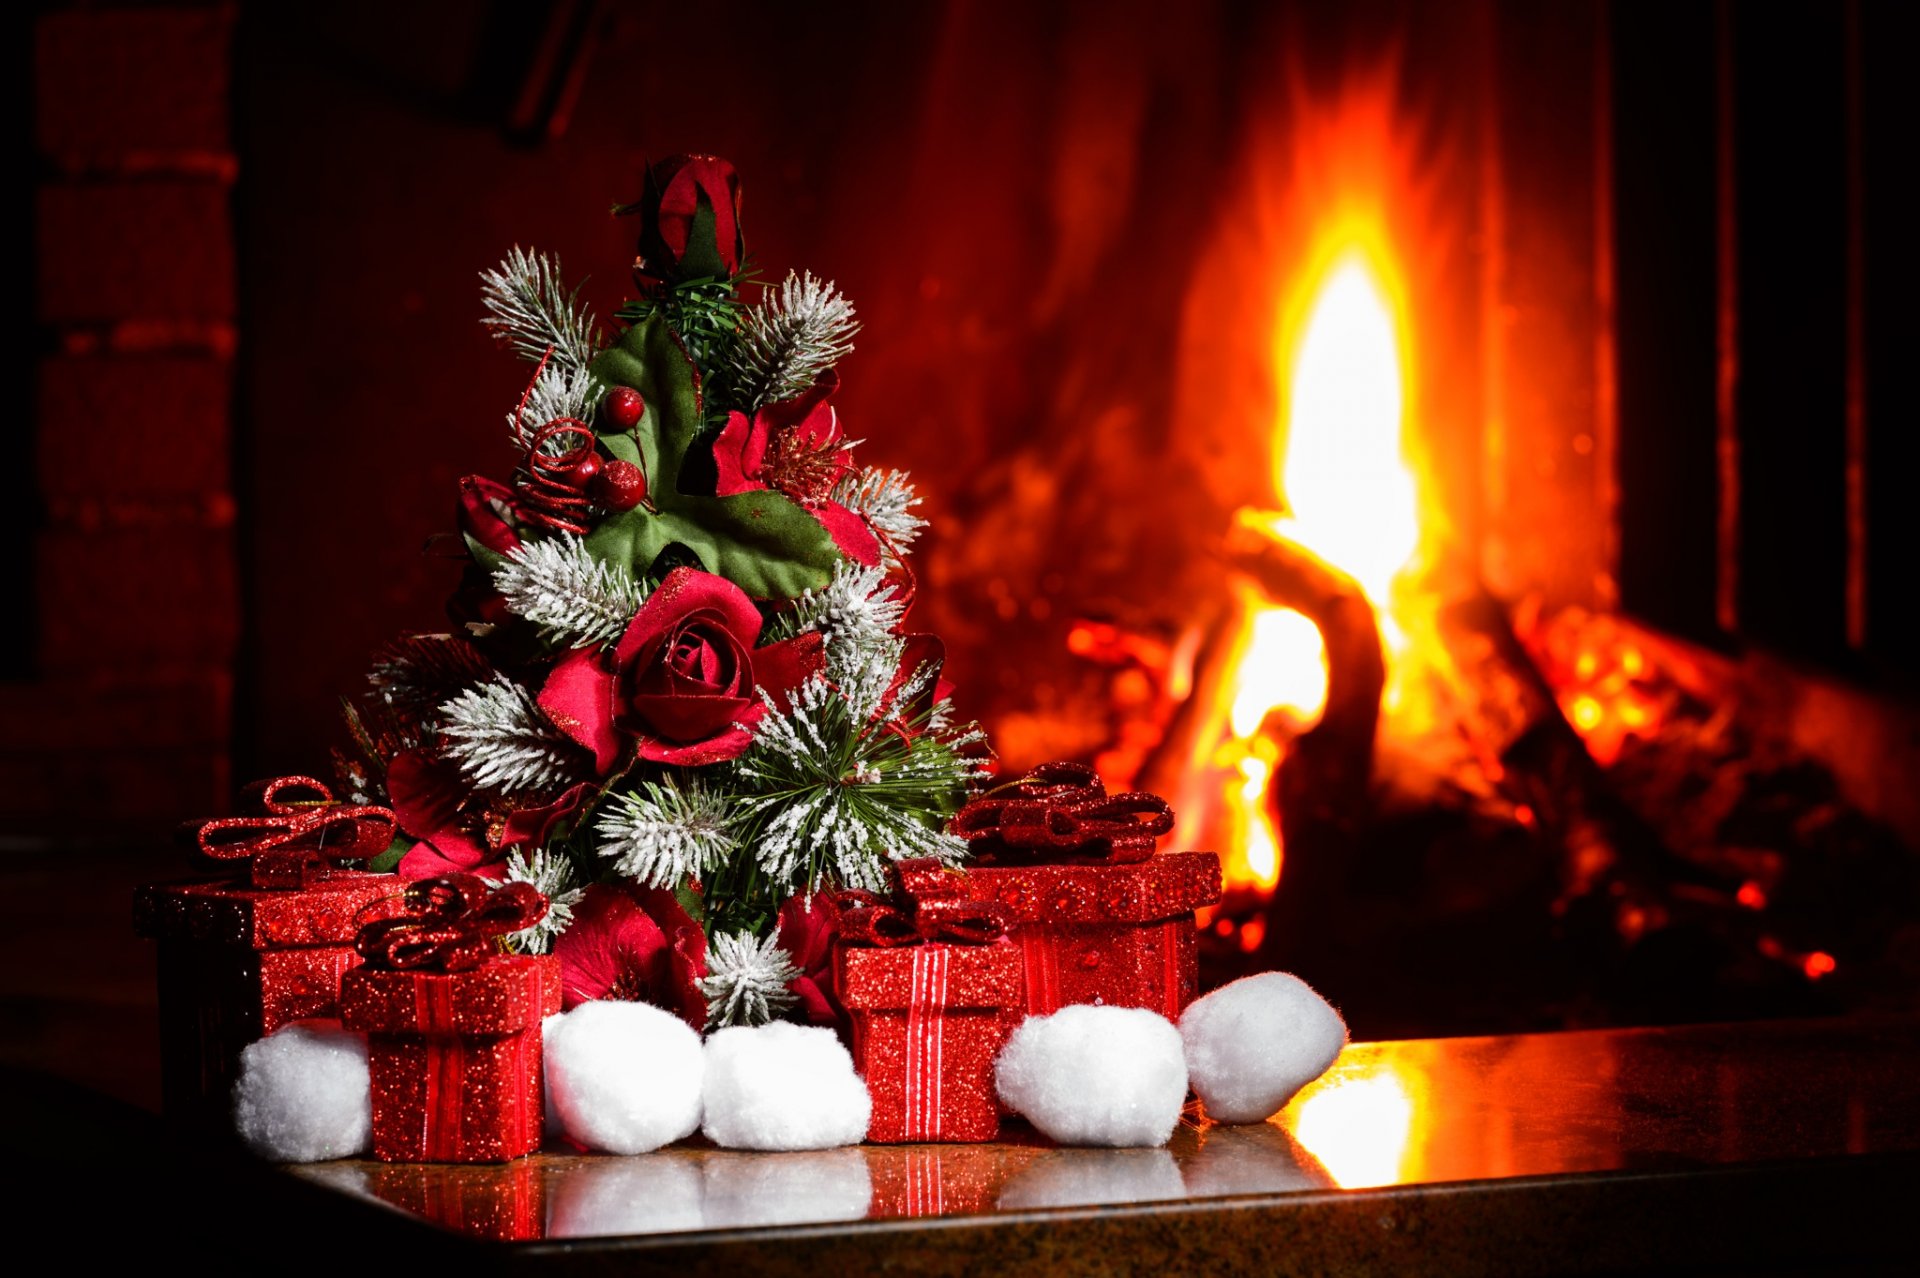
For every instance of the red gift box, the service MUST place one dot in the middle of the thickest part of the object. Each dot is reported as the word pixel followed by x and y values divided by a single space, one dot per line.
pixel 236 962
pixel 928 1020
pixel 454 1057
pixel 1120 934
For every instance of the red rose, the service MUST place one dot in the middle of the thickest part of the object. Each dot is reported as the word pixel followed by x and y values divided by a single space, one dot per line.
pixel 682 681
pixel 689 222
pixel 636 944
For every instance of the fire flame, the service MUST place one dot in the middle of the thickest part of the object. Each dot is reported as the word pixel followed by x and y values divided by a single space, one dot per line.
pixel 1352 500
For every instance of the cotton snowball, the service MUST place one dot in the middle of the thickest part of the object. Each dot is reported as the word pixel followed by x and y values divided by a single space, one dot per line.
pixel 303 1093
pixel 1092 1075
pixel 782 1086
pixel 1251 1045
pixel 623 1077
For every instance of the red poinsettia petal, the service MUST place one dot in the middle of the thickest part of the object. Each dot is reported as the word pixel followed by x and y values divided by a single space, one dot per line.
pixel 849 532
pixel 676 986
pixel 805 930
pixel 685 591
pixel 451 852
pixel 425 793
pixel 781 667
pixel 739 454
pixel 608 948
pixel 578 697
pixel 533 826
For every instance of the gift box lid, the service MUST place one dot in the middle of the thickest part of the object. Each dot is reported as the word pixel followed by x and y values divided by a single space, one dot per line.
pixel 502 996
pixel 1164 886
pixel 223 912
pixel 881 978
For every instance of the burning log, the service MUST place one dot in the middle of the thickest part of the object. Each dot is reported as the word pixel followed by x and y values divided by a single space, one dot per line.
pixel 1546 769
pixel 1321 799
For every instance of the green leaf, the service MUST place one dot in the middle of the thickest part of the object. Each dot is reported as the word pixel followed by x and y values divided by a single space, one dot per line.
pixel 763 542
pixel 389 860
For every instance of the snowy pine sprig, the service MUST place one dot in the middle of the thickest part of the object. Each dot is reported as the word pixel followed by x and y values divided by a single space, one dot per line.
pixel 530 308
pixel 575 597
pixel 785 343
pixel 856 614
pixel 831 797
pixel 501 740
pixel 418 672
pixel 667 831
pixel 747 978
pixel 553 876
pixel 559 391
pixel 885 499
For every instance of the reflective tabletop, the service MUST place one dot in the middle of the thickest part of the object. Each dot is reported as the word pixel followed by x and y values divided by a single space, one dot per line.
pixel 1566 1110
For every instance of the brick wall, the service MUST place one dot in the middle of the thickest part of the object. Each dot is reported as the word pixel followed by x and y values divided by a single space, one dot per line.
pixel 126 721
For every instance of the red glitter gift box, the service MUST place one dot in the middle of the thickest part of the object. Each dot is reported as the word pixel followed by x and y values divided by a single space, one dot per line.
pixel 236 962
pixel 1117 934
pixel 454 1057
pixel 928 1020
pixel 1099 916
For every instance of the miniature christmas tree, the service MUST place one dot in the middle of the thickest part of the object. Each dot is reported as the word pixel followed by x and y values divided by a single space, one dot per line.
pixel 682 700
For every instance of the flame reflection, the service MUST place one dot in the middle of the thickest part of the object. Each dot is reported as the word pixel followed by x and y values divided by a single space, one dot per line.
pixel 1360 1123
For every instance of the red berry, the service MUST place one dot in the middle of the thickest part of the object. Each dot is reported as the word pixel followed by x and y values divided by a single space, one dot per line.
pixel 621 486
pixel 624 407
pixel 585 471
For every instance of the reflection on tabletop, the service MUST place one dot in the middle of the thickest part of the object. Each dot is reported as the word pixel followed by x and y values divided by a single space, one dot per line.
pixel 1386 1114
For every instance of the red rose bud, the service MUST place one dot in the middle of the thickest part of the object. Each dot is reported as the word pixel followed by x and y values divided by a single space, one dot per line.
pixel 689 222
pixel 486 509
pixel 621 485
pixel 624 407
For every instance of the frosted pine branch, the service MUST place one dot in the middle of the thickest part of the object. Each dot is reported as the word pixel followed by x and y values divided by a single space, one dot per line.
pixel 530 309
pixel 857 613
pixel 786 342
pixel 553 876
pixel 416 672
pixel 885 499
pixel 558 392
pixel 572 595
pixel 501 740
pixel 831 799
pixel 746 981
pixel 668 831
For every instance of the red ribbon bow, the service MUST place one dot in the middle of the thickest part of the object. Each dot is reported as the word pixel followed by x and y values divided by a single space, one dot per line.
pixel 935 914
pixel 301 830
pixel 449 924
pixel 1058 811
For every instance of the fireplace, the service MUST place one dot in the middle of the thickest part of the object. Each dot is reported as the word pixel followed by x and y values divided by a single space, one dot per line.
pixel 1542 364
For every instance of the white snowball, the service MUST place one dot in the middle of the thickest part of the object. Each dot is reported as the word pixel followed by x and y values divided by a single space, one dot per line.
pixel 802 1188
pixel 782 1086
pixel 1252 1044
pixel 651 1194
pixel 623 1077
pixel 1095 1178
pixel 1092 1075
pixel 303 1093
